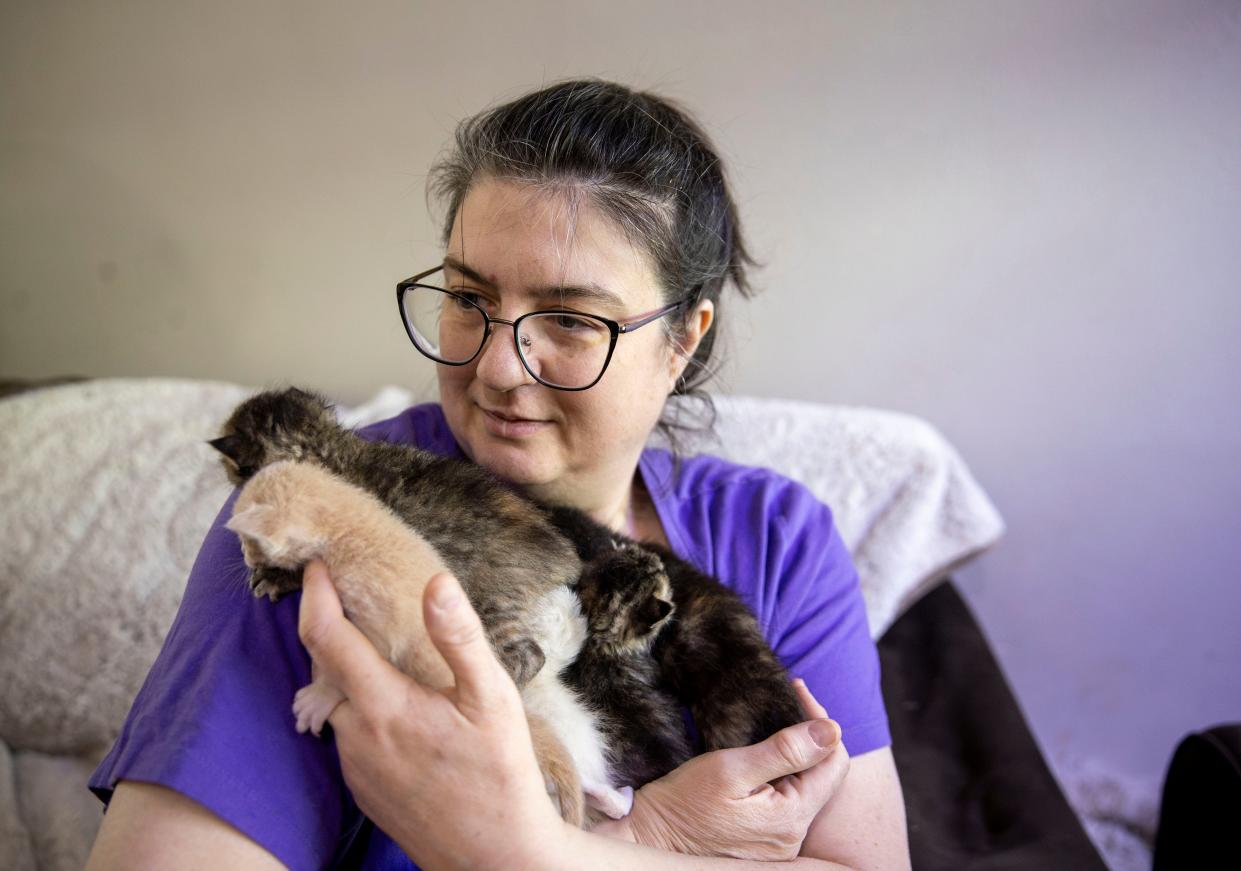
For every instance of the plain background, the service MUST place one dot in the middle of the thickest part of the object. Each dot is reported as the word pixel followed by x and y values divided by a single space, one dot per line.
pixel 1017 220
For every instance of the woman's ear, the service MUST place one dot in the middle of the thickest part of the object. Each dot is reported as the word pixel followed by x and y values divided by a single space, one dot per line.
pixel 697 324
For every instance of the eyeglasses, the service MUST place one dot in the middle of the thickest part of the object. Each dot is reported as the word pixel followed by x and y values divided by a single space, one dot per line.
pixel 560 348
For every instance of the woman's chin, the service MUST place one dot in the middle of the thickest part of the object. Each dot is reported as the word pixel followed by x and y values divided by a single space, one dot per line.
pixel 516 463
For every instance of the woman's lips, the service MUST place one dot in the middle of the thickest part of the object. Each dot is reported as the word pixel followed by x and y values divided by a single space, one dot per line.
pixel 509 427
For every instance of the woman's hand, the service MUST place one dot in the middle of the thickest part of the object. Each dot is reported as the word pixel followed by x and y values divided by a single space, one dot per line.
pixel 449 775
pixel 752 802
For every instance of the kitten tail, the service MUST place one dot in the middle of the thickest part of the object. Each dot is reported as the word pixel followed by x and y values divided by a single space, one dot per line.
pixel 564 787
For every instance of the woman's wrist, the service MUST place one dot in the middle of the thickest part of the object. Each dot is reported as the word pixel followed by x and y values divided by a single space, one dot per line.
pixel 560 849
pixel 652 822
pixel 618 829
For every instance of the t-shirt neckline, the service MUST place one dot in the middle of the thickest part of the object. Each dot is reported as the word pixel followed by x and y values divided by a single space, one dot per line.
pixel 654 469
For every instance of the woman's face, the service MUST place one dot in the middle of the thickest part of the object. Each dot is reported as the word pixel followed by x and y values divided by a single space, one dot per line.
pixel 527 245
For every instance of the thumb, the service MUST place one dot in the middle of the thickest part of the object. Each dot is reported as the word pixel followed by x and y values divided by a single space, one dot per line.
pixel 458 635
pixel 792 750
pixel 337 647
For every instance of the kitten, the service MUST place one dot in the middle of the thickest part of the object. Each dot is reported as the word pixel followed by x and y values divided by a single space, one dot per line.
pixel 291 512
pixel 506 556
pixel 662 634
pixel 659 634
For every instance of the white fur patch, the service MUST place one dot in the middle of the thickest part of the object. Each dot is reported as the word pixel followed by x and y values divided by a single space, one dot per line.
pixel 560 629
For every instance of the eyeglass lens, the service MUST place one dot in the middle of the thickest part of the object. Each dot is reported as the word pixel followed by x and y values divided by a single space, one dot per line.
pixel 563 350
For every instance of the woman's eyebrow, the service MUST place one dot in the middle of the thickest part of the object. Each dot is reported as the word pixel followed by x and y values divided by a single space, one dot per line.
pixel 590 293
pixel 455 264
pixel 579 293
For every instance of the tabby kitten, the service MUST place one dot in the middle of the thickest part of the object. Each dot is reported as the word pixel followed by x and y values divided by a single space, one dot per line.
pixel 506 556
pixel 659 633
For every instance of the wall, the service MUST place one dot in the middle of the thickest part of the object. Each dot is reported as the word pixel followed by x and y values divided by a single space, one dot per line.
pixel 1016 220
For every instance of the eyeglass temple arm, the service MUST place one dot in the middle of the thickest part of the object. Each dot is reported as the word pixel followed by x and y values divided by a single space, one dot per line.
pixel 422 275
pixel 645 319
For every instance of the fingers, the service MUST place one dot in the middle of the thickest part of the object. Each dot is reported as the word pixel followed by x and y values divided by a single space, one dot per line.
pixel 457 633
pixel 820 781
pixel 338 648
pixel 816 786
pixel 809 704
pixel 790 751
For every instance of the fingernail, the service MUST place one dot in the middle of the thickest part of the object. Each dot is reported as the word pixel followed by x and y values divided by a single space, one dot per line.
pixel 825 733
pixel 447 595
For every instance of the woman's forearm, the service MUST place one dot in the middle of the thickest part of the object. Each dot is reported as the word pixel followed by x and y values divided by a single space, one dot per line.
pixel 483 803
pixel 593 850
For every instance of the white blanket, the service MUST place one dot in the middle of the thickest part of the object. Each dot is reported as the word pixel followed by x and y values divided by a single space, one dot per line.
pixel 904 501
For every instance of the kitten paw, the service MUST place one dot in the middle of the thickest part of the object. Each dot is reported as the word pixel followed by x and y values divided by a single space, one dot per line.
pixel 313 704
pixel 610 801
pixel 274 582
pixel 521 658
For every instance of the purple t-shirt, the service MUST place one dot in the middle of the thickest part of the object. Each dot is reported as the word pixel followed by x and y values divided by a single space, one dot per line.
pixel 213 719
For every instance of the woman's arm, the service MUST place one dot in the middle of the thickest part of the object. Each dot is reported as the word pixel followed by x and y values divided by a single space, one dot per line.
pixel 212 722
pixel 863 825
pixel 481 801
pixel 152 826
pixel 842 830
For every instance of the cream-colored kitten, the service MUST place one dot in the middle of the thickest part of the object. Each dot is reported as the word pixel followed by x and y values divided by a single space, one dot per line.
pixel 291 512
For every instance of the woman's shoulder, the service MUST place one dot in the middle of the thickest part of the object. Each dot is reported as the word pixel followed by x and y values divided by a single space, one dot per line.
pixel 422 425
pixel 734 521
pixel 719 486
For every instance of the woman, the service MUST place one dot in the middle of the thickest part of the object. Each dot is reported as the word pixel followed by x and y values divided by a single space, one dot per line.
pixel 608 206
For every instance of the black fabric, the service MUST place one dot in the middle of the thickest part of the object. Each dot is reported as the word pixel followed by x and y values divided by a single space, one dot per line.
pixel 1200 817
pixel 978 793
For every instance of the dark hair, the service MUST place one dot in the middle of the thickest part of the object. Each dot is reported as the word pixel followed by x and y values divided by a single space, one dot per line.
pixel 644 163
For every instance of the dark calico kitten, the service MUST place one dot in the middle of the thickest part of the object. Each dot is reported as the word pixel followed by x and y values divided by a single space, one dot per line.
pixel 659 633
pixel 643 659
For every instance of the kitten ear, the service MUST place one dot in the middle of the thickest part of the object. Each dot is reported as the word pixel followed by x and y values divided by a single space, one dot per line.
pixel 259 524
pixel 271 532
pixel 663 609
pixel 653 611
pixel 255 521
pixel 229 446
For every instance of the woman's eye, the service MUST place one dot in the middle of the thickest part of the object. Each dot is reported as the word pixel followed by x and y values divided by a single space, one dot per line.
pixel 463 298
pixel 569 322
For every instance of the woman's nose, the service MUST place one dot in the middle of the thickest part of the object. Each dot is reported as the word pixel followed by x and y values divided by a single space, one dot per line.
pixel 499 367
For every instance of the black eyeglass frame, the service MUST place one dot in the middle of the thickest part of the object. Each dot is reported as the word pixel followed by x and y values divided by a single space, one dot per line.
pixel 615 328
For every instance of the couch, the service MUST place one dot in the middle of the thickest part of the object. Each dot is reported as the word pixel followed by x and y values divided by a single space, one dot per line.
pixel 108 487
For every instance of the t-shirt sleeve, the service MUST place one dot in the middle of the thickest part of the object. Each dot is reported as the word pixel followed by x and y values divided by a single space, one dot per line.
pixel 811 607
pixel 213 720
